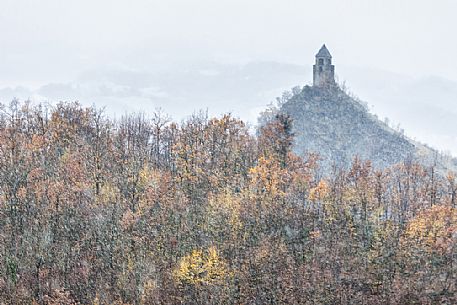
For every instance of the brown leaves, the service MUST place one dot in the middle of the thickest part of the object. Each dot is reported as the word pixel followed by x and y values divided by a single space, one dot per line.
pixel 59 297
pixel 145 211
pixel 434 229
pixel 319 192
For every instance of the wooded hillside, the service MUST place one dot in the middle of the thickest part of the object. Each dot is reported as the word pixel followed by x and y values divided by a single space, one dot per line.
pixel 143 210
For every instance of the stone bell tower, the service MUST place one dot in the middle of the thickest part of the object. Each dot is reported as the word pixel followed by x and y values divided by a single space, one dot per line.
pixel 323 70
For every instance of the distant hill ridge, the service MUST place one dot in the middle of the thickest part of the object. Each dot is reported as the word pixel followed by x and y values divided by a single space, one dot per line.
pixel 338 127
pixel 328 121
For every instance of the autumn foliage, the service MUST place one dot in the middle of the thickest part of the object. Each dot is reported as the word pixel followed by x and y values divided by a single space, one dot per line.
pixel 142 210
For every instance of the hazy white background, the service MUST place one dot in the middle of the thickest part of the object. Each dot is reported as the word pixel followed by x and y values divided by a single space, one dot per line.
pixel 183 55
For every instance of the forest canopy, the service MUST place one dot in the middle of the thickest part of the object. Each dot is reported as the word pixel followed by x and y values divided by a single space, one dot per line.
pixel 144 210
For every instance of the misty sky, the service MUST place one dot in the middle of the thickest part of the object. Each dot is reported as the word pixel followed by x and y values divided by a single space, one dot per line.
pixel 49 39
pixel 56 41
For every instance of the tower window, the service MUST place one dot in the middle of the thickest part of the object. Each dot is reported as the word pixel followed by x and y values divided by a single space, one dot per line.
pixel 321 61
pixel 329 61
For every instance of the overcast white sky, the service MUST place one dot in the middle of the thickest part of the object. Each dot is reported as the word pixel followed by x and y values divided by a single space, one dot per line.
pixel 54 39
pixel 57 41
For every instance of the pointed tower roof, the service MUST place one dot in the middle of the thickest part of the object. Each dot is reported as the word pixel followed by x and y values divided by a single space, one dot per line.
pixel 323 52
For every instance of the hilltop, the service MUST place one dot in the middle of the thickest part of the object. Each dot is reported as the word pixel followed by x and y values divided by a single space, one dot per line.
pixel 329 121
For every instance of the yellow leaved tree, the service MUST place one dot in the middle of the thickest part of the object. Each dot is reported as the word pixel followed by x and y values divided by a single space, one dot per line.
pixel 433 230
pixel 427 255
pixel 202 267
